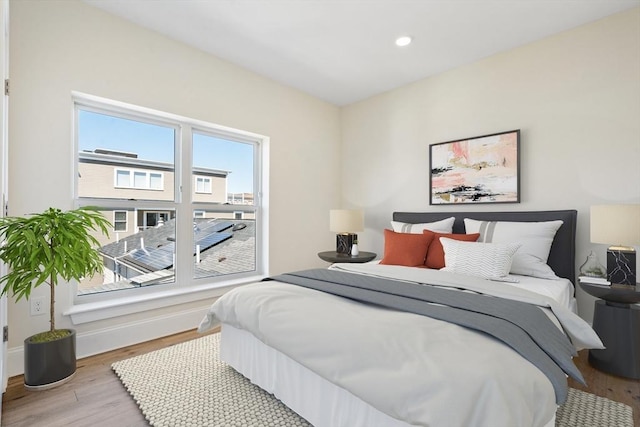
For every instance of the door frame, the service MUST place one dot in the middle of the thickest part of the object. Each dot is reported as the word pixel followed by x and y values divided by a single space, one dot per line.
pixel 4 108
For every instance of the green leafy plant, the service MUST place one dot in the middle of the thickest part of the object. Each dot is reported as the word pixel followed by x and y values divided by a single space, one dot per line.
pixel 42 248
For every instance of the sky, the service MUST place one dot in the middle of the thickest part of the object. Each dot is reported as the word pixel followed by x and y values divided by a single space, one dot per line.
pixel 155 142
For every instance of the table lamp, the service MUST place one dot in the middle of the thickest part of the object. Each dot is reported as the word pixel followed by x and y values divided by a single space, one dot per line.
pixel 346 223
pixel 618 225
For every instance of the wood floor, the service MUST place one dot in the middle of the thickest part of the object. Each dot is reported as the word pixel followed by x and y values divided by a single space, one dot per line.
pixel 96 398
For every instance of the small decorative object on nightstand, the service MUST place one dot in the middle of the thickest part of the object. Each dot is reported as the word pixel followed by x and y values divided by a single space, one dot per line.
pixel 616 320
pixel 354 248
pixel 592 267
pixel 618 225
pixel 333 256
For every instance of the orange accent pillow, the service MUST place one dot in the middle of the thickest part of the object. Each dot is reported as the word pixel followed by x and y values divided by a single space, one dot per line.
pixel 405 248
pixel 435 254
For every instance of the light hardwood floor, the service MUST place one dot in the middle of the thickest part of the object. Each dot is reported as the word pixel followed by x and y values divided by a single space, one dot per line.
pixel 95 397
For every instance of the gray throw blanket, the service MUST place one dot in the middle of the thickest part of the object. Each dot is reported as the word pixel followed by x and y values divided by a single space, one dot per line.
pixel 523 327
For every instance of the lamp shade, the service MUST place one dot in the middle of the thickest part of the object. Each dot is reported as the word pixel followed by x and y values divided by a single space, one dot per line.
pixel 615 224
pixel 346 221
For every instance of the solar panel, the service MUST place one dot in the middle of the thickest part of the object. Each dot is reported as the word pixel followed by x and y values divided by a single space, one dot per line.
pixel 212 227
pixel 211 240
pixel 156 258
pixel 161 258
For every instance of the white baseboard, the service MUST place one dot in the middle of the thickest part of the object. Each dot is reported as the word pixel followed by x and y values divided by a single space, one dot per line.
pixel 107 339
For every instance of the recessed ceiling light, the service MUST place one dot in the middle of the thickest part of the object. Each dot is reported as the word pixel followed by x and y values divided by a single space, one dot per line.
pixel 403 41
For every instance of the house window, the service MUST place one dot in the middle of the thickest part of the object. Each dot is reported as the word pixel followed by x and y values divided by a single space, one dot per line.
pixel 168 177
pixel 123 178
pixel 203 185
pixel 119 220
pixel 155 181
pixel 141 180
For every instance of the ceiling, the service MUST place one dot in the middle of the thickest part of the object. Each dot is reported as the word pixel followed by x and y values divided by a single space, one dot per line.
pixel 343 51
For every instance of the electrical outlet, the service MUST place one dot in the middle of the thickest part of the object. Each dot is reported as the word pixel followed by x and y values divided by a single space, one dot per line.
pixel 37 306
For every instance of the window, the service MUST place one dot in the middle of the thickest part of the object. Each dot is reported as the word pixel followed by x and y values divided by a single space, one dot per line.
pixel 142 180
pixel 119 220
pixel 166 182
pixel 203 185
pixel 155 181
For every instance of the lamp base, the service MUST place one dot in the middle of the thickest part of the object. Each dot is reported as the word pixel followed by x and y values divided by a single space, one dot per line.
pixel 344 242
pixel 621 266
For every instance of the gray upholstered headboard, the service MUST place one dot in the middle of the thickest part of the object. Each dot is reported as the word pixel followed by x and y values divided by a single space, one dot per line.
pixel 563 250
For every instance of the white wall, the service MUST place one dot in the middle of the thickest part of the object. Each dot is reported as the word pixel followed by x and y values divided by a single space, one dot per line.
pixel 63 46
pixel 575 96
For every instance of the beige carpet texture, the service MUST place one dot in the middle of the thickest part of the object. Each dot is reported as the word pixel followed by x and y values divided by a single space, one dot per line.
pixel 186 385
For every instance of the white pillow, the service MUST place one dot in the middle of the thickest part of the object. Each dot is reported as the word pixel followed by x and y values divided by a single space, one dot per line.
pixel 487 260
pixel 442 226
pixel 535 237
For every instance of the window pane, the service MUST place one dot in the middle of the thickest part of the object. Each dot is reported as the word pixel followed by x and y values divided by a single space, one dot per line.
pixel 123 178
pixel 119 221
pixel 223 245
pixel 228 166
pixel 141 256
pixel 155 181
pixel 109 145
pixel 140 180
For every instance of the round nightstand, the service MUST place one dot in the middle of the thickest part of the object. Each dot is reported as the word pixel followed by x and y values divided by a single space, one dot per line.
pixel 616 320
pixel 621 295
pixel 333 256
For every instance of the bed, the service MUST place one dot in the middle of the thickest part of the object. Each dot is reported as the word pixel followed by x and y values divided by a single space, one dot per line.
pixel 347 361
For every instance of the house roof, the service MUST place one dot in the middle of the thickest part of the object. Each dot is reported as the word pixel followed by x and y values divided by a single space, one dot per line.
pixel 113 158
pixel 226 246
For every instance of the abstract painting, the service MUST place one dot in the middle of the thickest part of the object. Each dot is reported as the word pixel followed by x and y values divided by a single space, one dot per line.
pixel 482 169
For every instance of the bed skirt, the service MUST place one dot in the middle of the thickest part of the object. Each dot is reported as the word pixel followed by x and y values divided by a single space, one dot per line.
pixel 317 400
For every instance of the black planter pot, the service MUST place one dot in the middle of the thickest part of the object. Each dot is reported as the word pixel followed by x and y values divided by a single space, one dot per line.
pixel 49 364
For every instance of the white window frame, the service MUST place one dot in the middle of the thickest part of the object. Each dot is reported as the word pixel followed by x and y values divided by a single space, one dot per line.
pixel 126 221
pixel 132 182
pixel 207 182
pixel 161 175
pixel 186 288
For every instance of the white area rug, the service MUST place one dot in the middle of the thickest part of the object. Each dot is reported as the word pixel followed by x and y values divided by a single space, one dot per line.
pixel 187 385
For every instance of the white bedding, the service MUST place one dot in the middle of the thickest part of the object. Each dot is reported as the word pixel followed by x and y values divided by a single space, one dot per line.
pixel 412 368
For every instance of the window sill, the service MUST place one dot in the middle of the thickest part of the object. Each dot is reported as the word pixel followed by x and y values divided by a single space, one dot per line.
pixel 117 307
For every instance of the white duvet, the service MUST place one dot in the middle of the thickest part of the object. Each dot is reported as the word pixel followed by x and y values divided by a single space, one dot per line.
pixel 413 368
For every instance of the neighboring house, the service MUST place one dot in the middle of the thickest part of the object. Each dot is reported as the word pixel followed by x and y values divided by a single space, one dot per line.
pixel 240 198
pixel 119 175
pixel 140 250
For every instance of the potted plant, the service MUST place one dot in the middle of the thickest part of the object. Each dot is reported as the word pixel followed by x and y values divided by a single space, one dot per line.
pixel 43 248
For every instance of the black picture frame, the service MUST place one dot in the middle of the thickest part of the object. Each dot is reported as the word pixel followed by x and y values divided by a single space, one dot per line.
pixel 478 170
